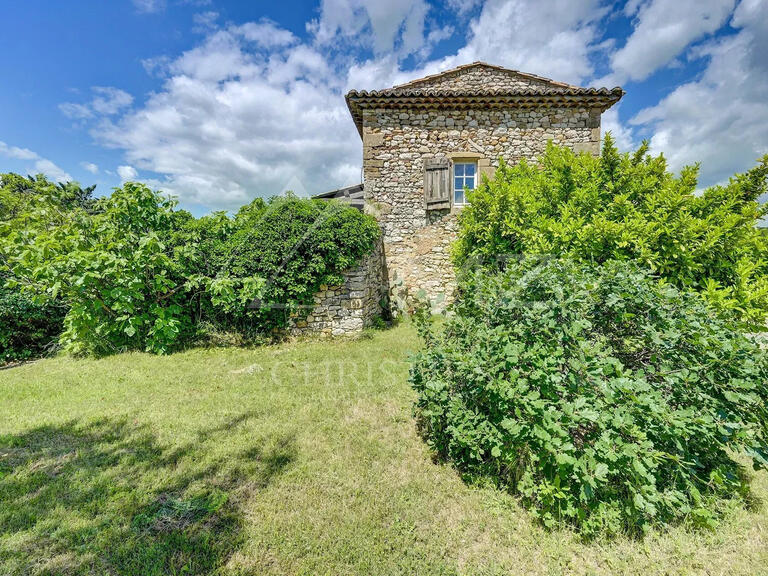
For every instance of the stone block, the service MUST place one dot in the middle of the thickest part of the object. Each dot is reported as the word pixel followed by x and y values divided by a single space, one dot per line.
pixel 488 171
pixel 588 147
pixel 373 139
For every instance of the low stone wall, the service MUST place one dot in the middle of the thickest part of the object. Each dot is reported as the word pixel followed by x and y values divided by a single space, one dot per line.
pixel 353 305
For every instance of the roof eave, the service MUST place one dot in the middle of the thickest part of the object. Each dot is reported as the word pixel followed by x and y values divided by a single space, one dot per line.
pixel 345 191
pixel 355 112
pixel 601 98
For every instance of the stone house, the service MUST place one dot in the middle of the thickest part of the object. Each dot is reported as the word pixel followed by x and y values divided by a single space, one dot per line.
pixel 426 140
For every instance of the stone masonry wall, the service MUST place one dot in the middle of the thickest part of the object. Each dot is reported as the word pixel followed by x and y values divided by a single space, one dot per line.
pixel 351 306
pixel 480 77
pixel 395 145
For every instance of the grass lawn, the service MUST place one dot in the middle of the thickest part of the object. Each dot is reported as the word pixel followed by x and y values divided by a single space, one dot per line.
pixel 294 459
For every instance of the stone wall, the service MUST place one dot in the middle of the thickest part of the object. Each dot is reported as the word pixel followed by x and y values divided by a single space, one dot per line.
pixel 422 262
pixel 351 306
pixel 482 77
pixel 397 141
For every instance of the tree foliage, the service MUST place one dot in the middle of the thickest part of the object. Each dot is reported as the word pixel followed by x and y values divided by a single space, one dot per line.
pixel 263 267
pixel 18 194
pixel 138 274
pixel 310 243
pixel 29 328
pixel 607 399
pixel 114 270
pixel 628 207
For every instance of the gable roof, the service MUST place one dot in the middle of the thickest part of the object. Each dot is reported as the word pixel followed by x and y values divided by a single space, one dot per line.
pixel 479 82
pixel 491 71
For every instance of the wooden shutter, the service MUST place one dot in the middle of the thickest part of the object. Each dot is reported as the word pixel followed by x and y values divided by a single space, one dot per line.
pixel 437 192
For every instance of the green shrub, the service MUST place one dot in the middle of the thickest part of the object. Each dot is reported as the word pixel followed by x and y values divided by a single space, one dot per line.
pixel 19 193
pixel 113 269
pixel 629 207
pixel 609 400
pixel 294 246
pixel 137 274
pixel 27 329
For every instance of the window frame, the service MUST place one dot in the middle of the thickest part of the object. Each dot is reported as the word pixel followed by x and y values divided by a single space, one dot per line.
pixel 462 162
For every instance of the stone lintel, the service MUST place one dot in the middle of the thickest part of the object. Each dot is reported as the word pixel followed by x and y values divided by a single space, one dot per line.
pixel 464 155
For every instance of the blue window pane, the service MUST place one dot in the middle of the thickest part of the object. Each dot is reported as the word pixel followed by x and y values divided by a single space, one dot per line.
pixel 469 170
pixel 458 183
pixel 458 170
pixel 458 197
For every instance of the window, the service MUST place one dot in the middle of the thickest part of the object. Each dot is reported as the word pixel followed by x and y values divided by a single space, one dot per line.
pixel 463 177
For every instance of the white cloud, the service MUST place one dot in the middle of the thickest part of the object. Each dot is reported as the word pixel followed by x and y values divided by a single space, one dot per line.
pixel 75 111
pixel 106 101
pixel 110 100
pixel 90 167
pixel 149 6
pixel 39 164
pixel 438 35
pixel 221 57
pixel 662 30
pixel 389 26
pixel 266 34
pixel 463 7
pixel 631 7
pixel 45 166
pixel 127 173
pixel 552 38
pixel 721 118
pixel 204 21
pixel 622 135
pixel 157 66
pixel 17 153
pixel 234 121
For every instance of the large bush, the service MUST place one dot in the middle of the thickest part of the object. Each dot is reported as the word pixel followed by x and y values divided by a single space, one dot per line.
pixel 628 207
pixel 263 266
pixel 136 273
pixel 29 328
pixel 120 280
pixel 295 246
pixel 607 399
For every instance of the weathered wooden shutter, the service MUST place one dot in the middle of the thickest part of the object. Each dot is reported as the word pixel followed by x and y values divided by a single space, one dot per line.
pixel 437 194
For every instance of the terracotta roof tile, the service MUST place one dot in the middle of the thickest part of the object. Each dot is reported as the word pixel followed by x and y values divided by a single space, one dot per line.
pixel 410 95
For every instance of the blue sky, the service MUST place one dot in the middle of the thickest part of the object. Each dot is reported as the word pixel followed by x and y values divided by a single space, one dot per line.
pixel 221 101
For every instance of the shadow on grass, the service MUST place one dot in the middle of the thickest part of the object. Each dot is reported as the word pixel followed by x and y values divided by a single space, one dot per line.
pixel 106 497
